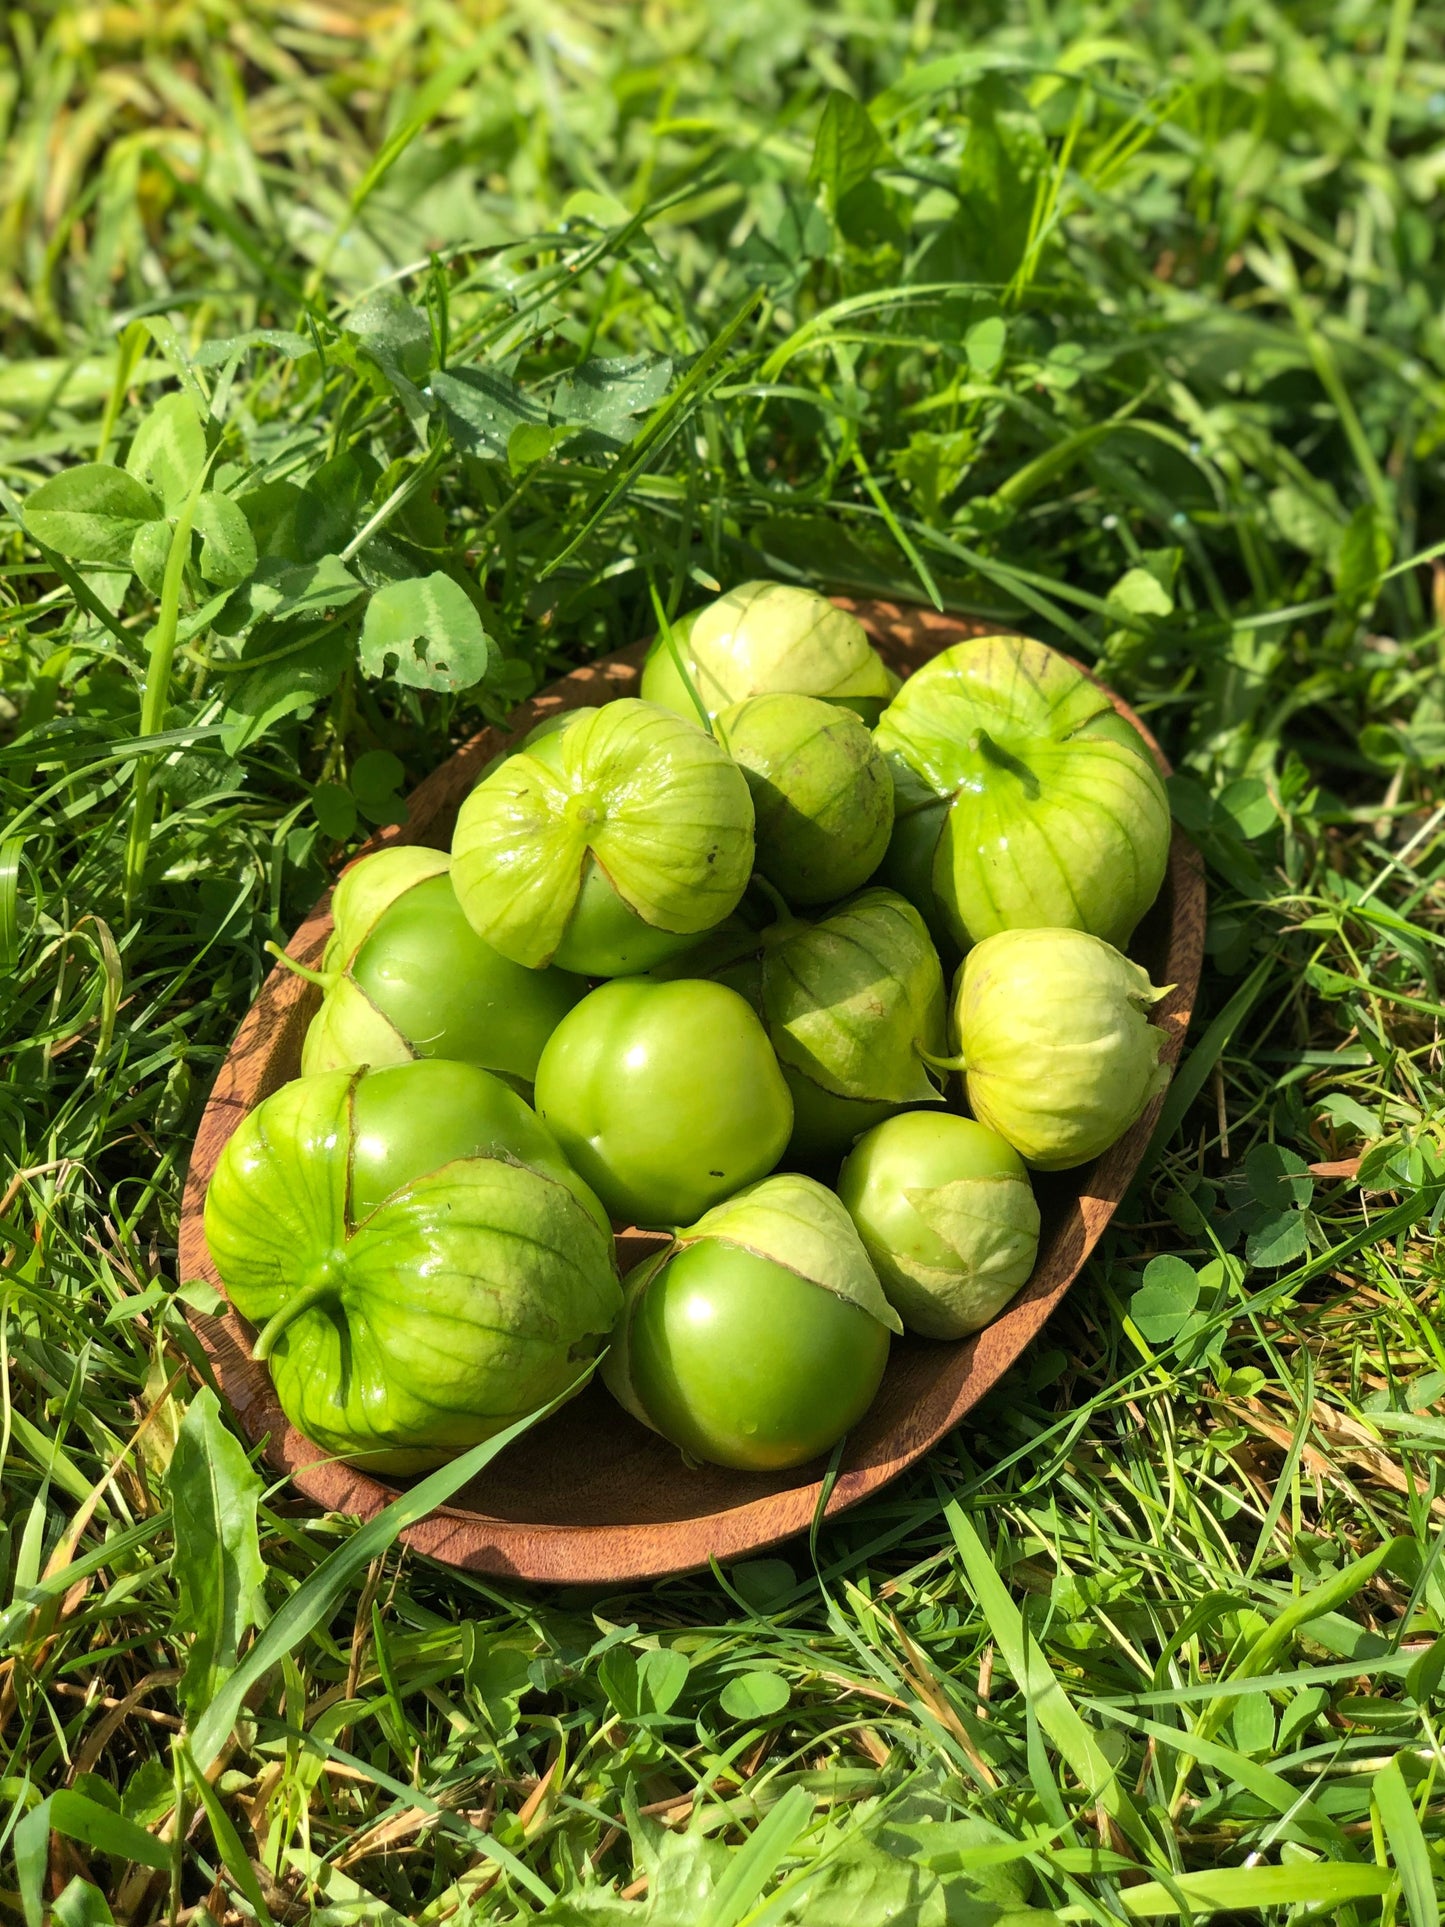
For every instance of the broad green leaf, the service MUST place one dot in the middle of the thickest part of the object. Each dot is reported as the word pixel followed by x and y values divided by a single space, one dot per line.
pixel 483 406
pixel 1364 553
pixel 90 513
pixel 605 394
pixel 1168 1294
pixel 335 810
pixel 228 549
pixel 642 1685
pixel 290 682
pixel 395 334
pixel 763 1582
pixel 169 450
pixel 213 354
pixel 984 344
pixel 1278 1177
pixel 846 148
pixel 82 1905
pixel 150 551
pixel 755 1696
pixel 1310 522
pixel 281 588
pixel 217 1561
pixel 1139 593
pixel 1277 1238
pixel 427 634
pixel 376 779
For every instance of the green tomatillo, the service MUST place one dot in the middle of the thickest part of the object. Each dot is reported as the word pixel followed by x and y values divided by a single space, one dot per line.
pixel 822 794
pixel 1022 798
pixel 1058 1054
pixel 665 1096
pixel 423 1264
pixel 947 1216
pixel 767 638
pixel 759 1336
pixel 853 1004
pixel 606 843
pixel 406 976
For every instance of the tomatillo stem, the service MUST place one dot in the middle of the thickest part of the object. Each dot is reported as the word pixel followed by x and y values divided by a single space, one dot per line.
pixel 784 921
pixel 317 977
pixel 958 1063
pixel 1005 759
pixel 323 1285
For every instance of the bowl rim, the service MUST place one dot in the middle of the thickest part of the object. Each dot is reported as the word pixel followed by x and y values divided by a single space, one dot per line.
pixel 967 1369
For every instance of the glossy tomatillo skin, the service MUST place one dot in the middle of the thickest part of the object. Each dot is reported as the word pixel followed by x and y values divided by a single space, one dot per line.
pixel 947 1216
pixel 1059 1056
pixel 410 978
pixel 850 1004
pixel 415 1119
pixel 624 827
pixel 665 1097
pixel 766 638
pixel 1022 799
pixel 822 794
pixel 458 1299
pixel 760 1336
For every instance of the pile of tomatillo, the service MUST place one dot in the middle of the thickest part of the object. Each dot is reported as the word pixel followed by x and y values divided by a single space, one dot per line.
pixel 684 968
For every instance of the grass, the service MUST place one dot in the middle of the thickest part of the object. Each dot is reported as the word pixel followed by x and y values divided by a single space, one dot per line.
pixel 1121 325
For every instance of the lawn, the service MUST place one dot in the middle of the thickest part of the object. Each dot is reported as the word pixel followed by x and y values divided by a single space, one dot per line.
pixel 1121 325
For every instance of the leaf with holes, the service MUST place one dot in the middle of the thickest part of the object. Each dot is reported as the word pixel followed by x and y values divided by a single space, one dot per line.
pixel 427 634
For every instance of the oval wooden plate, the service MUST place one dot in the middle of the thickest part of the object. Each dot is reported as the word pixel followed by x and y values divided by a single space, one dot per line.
pixel 591 1497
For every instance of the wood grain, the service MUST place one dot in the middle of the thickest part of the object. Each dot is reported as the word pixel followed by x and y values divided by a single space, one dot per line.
pixel 591 1497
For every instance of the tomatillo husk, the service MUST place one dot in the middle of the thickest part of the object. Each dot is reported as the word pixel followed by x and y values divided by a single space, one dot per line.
pixel 1057 1052
pixel 405 976
pixel 766 638
pixel 947 1216
pixel 854 1005
pixel 822 794
pixel 759 1335
pixel 423 1265
pixel 606 844
pixel 1022 798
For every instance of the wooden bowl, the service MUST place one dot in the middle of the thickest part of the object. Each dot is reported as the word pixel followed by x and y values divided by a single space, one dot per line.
pixel 591 1497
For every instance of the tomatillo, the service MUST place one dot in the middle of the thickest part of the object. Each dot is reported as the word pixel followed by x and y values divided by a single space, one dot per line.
pixel 759 1336
pixel 1022 798
pixel 947 1216
pixel 607 843
pixel 422 1264
pixel 822 794
pixel 665 1096
pixel 1057 1052
pixel 406 976
pixel 854 1008
pixel 763 638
